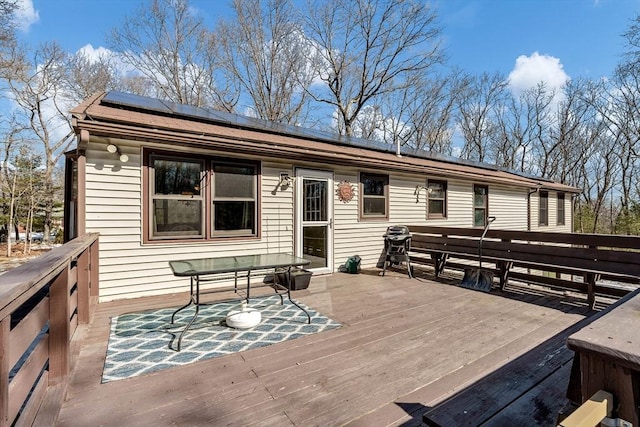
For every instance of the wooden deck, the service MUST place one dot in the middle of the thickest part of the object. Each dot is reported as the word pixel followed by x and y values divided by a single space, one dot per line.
pixel 406 347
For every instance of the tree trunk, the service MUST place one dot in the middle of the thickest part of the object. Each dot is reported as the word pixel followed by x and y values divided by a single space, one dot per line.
pixel 11 204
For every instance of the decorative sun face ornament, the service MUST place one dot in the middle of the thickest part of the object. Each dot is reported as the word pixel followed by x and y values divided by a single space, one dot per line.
pixel 345 191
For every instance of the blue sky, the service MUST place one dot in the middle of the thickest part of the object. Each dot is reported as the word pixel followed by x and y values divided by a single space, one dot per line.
pixel 549 40
pixel 489 35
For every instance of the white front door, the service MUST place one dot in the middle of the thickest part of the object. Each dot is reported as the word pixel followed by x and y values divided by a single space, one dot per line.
pixel 314 218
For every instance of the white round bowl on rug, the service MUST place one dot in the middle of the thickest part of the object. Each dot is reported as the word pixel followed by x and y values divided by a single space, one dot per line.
pixel 243 319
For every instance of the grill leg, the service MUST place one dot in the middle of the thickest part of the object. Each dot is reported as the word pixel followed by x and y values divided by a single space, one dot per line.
pixel 387 258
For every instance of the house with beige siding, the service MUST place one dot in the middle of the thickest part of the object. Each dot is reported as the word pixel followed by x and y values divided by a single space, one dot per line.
pixel 161 181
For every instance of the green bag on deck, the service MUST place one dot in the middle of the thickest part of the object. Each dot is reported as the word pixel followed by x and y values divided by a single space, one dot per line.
pixel 352 265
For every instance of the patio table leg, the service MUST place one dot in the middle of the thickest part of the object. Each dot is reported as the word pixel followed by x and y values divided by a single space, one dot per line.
pixel 191 301
pixel 292 301
pixel 195 299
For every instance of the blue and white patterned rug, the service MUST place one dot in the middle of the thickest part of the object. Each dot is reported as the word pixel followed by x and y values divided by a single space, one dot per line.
pixel 139 343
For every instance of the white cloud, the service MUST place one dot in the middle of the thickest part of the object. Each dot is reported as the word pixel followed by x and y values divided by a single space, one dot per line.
pixel 94 54
pixel 25 15
pixel 529 71
pixel 117 61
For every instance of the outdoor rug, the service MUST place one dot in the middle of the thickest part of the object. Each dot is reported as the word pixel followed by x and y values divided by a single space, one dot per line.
pixel 139 343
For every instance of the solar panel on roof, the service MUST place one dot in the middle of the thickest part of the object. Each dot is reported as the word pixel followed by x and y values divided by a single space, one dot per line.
pixel 130 100
pixel 123 99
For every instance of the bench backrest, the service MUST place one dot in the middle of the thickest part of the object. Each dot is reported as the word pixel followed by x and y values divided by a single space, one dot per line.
pixel 615 256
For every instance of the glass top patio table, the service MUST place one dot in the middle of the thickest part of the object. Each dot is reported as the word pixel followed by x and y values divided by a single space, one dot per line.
pixel 229 264
pixel 195 268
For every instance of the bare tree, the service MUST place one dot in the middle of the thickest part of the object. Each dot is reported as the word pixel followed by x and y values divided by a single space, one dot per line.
pixel 598 172
pixel 511 146
pixel 265 51
pixel 539 101
pixel 631 60
pixel 369 48
pixel 371 124
pixel 12 141
pixel 8 43
pixel 573 117
pixel 28 190
pixel 421 114
pixel 619 107
pixel 171 47
pixel 43 114
pixel 86 76
pixel 478 107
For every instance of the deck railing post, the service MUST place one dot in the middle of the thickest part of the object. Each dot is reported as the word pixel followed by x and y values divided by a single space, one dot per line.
pixel 95 270
pixel 5 327
pixel 504 267
pixel 84 282
pixel 591 279
pixel 59 328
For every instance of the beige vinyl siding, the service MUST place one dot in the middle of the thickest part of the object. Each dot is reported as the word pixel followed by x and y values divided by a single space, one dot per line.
pixel 459 205
pixel 276 209
pixel 364 238
pixel 509 206
pixel 403 207
pixel 553 220
pixel 553 213
pixel 351 236
pixel 129 268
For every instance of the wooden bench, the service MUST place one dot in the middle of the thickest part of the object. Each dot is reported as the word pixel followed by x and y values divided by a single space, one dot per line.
pixel 592 257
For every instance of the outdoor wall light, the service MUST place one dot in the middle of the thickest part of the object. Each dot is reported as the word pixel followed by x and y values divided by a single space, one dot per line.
pixel 285 180
pixel 111 148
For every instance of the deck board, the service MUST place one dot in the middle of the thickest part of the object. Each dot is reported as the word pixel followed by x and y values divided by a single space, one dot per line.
pixel 404 347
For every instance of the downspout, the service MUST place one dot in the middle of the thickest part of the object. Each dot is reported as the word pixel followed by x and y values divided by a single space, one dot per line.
pixel 532 191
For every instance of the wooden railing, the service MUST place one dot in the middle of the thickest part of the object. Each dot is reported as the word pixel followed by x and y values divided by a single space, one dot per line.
pixel 41 304
pixel 524 255
pixel 607 358
pixel 607 351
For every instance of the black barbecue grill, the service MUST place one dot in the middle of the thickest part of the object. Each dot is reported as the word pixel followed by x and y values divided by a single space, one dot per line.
pixel 397 242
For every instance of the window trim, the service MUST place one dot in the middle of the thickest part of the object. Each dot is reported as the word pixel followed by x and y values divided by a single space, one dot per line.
pixel 561 212
pixel 177 197
pixel 543 213
pixel 361 197
pixel 443 214
pixel 206 192
pixel 485 207
pixel 213 234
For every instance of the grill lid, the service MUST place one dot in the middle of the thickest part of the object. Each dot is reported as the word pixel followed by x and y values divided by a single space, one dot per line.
pixel 397 230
